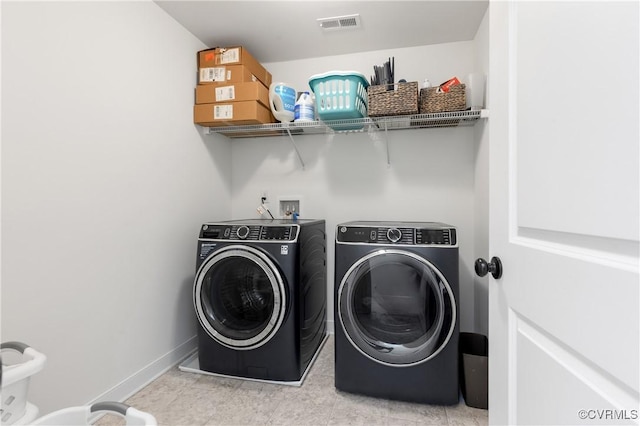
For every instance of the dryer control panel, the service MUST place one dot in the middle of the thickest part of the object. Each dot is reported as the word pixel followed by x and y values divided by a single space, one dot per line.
pixel 397 234
pixel 248 232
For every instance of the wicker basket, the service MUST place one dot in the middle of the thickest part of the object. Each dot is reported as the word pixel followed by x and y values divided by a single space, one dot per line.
pixel 393 99
pixel 453 100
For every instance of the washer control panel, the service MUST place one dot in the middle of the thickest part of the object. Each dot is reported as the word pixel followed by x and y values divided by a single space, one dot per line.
pixel 403 235
pixel 445 237
pixel 231 232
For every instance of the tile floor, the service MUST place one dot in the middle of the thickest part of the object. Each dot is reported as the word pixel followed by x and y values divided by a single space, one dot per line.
pixel 180 398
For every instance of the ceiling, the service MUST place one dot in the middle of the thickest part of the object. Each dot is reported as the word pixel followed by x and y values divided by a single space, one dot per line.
pixel 275 31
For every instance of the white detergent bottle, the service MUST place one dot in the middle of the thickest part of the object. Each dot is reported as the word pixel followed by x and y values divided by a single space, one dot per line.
pixel 282 99
pixel 304 109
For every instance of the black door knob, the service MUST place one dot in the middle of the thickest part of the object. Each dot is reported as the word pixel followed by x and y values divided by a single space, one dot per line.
pixel 494 267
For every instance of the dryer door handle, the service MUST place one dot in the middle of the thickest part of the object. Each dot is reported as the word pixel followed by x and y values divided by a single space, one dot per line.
pixel 494 267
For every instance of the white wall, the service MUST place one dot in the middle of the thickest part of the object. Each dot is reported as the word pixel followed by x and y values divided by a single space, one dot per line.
pixel 481 190
pixel 105 181
pixel 431 177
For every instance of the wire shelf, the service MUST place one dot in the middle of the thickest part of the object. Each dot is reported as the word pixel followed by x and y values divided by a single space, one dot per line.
pixel 367 124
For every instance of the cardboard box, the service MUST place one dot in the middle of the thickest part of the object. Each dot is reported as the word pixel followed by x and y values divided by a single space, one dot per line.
pixel 219 56
pixel 226 74
pixel 223 92
pixel 232 114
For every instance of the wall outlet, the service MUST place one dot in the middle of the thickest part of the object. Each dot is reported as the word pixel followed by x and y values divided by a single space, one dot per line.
pixel 288 206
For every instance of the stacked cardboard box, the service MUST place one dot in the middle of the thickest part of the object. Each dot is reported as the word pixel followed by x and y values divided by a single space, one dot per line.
pixel 233 89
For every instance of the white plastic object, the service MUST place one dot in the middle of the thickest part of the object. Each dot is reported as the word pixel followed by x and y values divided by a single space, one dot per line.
pixel 19 363
pixel 475 91
pixel 81 415
pixel 282 100
pixel 304 109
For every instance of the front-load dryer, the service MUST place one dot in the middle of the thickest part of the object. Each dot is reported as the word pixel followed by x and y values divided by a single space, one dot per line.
pixel 396 310
pixel 260 297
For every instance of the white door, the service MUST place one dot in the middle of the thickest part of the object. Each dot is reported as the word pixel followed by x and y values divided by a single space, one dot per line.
pixel 564 215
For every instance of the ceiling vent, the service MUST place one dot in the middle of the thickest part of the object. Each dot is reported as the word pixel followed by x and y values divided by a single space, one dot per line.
pixel 340 22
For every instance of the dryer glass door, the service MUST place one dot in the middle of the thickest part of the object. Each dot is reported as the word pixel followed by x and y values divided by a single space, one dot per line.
pixel 396 308
pixel 239 296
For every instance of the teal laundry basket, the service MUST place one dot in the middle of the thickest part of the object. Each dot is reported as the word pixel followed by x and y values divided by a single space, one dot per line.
pixel 340 95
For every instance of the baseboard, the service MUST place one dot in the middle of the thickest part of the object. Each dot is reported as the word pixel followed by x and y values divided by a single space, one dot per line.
pixel 134 383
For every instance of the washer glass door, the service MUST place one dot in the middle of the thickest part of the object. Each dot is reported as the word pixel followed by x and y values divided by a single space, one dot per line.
pixel 396 308
pixel 239 297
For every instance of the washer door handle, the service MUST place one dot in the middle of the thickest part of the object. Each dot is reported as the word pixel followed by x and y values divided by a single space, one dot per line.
pixel 494 267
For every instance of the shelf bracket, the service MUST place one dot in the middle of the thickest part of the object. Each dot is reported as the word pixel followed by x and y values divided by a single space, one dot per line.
pixel 295 147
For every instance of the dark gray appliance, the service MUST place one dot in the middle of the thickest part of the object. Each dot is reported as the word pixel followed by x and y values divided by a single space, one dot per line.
pixel 396 310
pixel 260 297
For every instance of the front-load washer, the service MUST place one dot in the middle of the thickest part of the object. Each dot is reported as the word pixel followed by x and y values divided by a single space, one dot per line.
pixel 260 297
pixel 396 310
